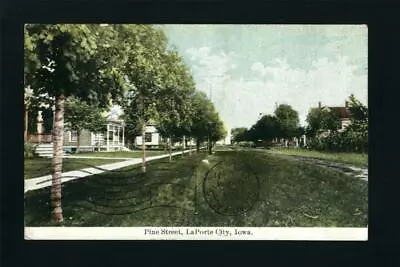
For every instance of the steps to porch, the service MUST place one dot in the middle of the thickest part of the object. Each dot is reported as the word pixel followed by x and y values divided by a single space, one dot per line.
pixel 45 150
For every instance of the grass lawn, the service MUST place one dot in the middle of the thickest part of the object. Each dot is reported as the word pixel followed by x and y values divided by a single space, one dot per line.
pixel 36 167
pixel 236 188
pixel 122 154
pixel 358 159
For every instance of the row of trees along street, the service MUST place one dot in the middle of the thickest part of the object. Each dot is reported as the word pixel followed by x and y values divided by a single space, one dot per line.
pixel 283 124
pixel 83 69
pixel 323 131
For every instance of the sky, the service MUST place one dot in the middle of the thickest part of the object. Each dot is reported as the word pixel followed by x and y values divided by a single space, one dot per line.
pixel 250 69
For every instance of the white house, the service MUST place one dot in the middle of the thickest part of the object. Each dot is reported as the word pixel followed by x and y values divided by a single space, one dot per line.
pixel 152 137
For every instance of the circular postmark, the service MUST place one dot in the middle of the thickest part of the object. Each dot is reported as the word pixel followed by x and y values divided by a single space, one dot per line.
pixel 231 188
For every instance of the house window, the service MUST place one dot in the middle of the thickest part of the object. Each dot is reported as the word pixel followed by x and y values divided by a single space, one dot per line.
pixel 147 137
pixel 74 136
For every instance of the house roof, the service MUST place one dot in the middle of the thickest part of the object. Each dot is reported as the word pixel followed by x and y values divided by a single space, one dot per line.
pixel 342 112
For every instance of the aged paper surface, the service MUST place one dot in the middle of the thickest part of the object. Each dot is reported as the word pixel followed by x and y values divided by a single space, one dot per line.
pixel 208 132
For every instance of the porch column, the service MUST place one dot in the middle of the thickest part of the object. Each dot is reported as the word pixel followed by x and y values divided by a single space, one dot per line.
pixel 113 136
pixel 26 123
pixel 39 126
pixel 123 136
pixel 304 140
pixel 108 136
pixel 119 142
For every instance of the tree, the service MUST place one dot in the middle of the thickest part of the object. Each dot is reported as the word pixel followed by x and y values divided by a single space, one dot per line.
pixel 217 131
pixel 319 120
pixel 358 111
pixel 175 109
pixel 355 135
pixel 353 138
pixel 206 123
pixel 83 61
pixel 79 116
pixel 144 75
pixel 200 105
pixel 288 120
pixel 238 134
pixel 266 128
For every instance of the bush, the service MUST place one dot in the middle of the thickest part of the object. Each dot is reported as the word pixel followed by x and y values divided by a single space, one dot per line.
pixel 29 150
pixel 246 144
pixel 346 141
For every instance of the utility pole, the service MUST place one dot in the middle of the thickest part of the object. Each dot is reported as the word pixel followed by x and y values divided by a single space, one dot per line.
pixel 210 84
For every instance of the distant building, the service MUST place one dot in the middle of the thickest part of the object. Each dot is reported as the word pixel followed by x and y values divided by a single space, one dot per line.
pixel 152 137
pixel 342 112
pixel 40 133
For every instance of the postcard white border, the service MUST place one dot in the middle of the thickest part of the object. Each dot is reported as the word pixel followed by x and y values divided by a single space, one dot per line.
pixel 196 233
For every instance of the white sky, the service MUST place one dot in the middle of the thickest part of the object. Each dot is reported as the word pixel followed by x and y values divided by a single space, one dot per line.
pixel 250 68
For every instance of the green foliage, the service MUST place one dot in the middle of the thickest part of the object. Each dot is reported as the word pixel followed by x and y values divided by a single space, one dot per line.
pixel 73 60
pixel 283 124
pixel 175 112
pixel 266 128
pixel 29 150
pixel 206 121
pixel 238 134
pixel 32 121
pixel 91 63
pixel 288 121
pixel 47 115
pixel 354 138
pixel 79 115
pixel 320 120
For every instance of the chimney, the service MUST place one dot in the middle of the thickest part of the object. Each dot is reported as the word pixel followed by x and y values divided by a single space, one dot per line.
pixel 319 104
pixel 346 104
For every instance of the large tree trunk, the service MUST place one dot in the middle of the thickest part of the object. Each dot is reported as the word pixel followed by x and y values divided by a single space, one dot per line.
pixel 56 163
pixel 209 146
pixel 143 149
pixel 78 141
pixel 26 123
pixel 197 145
pixel 184 144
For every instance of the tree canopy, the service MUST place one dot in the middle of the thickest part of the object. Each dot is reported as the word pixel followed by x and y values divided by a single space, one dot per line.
pixel 74 60
pixel 238 134
pixel 288 121
pixel 320 120
pixel 79 115
pixel 81 69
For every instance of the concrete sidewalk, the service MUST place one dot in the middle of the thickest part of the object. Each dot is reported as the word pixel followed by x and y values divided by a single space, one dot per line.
pixel 45 181
pixel 92 157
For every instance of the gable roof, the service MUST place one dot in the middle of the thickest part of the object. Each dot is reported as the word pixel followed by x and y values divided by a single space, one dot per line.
pixel 342 112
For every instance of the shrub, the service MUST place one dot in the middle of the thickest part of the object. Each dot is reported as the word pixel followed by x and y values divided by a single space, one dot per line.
pixel 29 150
pixel 246 144
pixel 350 140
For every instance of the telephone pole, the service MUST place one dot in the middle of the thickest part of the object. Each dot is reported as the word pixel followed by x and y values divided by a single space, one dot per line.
pixel 210 84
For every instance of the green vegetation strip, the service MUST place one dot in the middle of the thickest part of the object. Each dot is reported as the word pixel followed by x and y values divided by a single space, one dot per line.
pixel 357 159
pixel 36 167
pixel 237 188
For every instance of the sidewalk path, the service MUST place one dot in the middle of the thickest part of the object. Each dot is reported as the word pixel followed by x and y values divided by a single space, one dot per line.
pixel 93 157
pixel 45 181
